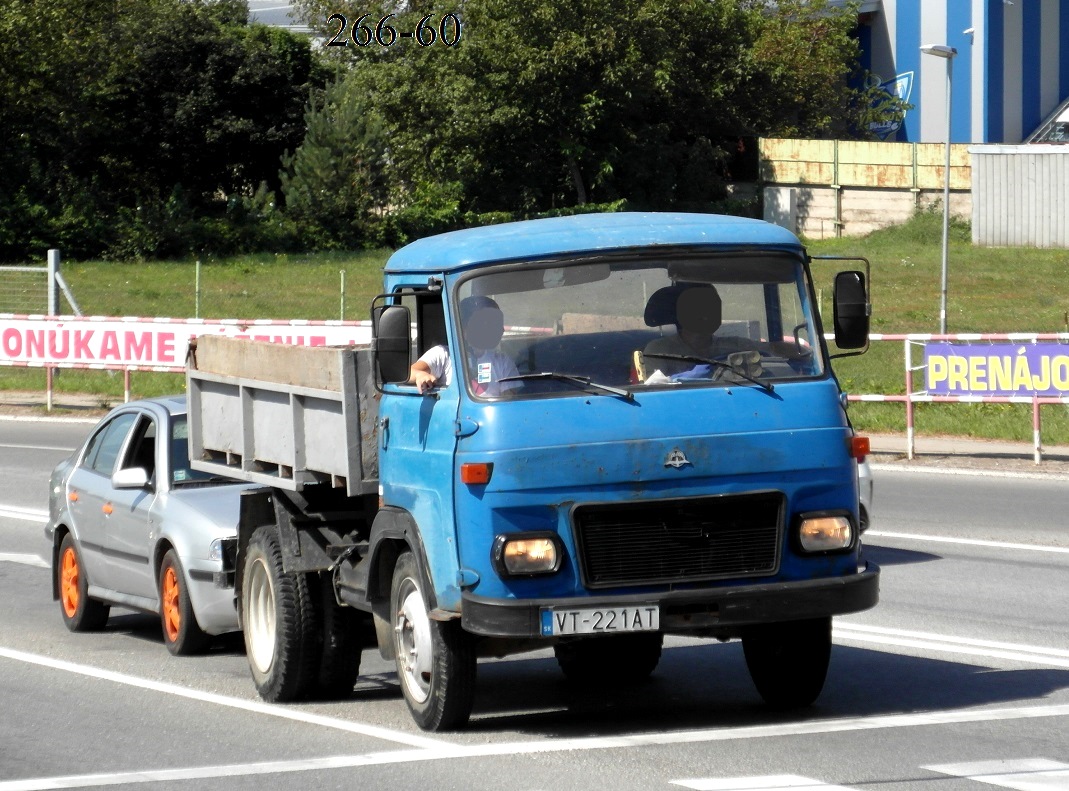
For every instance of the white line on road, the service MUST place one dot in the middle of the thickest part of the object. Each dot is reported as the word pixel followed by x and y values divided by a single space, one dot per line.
pixel 443 751
pixel 1039 655
pixel 37 447
pixel 25 559
pixel 984 473
pixel 256 707
pixel 974 542
pixel 29 514
pixel 1024 774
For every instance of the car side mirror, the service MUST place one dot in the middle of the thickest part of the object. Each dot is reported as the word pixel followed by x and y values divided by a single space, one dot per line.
pixel 391 326
pixel 130 478
pixel 852 310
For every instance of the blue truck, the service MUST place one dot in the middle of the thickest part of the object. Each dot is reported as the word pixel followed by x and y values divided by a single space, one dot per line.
pixel 579 433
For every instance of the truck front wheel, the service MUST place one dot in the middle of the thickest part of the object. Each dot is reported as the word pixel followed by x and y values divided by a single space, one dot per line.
pixel 788 662
pixel 277 619
pixel 436 661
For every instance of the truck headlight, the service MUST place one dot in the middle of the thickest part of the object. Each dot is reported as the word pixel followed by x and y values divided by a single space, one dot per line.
pixel 824 533
pixel 521 554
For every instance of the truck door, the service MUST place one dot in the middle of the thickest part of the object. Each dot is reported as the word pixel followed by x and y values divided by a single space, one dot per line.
pixel 417 441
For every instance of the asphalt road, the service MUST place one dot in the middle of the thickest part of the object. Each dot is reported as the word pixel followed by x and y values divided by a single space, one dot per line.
pixel 956 681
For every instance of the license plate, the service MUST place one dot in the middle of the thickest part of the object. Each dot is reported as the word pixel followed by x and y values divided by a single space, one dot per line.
pixel 601 620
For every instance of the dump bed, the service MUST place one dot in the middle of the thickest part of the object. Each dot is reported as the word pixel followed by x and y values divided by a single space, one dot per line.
pixel 284 416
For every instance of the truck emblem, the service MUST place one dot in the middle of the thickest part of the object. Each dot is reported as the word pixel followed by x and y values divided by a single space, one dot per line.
pixel 677 459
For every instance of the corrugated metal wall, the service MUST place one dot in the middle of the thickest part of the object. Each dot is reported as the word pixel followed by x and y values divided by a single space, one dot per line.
pixel 1020 196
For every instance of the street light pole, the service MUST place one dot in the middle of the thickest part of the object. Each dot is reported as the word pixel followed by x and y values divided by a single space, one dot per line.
pixel 947 53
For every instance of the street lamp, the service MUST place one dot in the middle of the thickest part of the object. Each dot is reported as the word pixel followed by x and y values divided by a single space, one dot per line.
pixel 947 53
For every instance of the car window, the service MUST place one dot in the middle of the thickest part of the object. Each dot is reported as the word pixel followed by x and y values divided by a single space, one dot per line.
pixel 141 451
pixel 181 473
pixel 104 447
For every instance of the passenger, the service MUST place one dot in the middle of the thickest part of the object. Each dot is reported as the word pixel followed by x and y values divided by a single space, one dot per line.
pixel 483 326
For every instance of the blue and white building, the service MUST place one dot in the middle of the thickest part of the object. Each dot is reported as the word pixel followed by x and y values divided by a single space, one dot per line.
pixel 1010 77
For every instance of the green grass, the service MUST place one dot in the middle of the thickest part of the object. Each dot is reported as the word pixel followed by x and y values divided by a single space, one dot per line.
pixel 990 290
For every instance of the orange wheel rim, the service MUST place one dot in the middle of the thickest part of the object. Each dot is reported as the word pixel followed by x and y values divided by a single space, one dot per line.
pixel 172 617
pixel 68 582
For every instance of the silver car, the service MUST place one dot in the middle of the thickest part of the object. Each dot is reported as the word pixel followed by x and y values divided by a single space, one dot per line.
pixel 132 525
pixel 864 484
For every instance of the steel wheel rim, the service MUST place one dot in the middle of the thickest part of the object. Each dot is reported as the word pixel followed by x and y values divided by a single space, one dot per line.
pixel 68 583
pixel 260 617
pixel 412 635
pixel 172 614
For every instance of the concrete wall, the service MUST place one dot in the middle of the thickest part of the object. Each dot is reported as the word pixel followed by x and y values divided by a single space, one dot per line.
pixel 826 188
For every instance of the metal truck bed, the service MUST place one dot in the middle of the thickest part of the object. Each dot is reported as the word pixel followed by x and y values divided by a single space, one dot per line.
pixel 283 416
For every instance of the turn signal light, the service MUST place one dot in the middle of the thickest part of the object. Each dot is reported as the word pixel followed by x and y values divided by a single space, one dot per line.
pixel 859 447
pixel 475 472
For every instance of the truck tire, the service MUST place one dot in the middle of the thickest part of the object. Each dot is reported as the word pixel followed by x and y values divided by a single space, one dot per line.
pixel 278 620
pixel 341 642
pixel 436 661
pixel 80 613
pixel 788 662
pixel 626 658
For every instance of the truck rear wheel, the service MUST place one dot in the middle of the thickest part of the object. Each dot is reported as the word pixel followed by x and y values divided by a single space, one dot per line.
pixel 788 662
pixel 278 621
pixel 436 662
pixel 342 642
pixel 615 658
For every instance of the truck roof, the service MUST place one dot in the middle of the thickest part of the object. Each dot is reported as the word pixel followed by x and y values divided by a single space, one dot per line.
pixel 532 239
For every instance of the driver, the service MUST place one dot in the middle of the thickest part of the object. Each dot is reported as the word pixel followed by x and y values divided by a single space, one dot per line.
pixel 696 311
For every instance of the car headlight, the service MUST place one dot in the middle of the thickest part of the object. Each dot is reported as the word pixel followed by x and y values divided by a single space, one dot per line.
pixel 825 533
pixel 521 554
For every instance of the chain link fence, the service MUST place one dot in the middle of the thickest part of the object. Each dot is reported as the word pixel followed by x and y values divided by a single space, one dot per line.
pixel 314 287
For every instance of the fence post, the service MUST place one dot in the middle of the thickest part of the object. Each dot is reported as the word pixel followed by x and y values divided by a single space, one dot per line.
pixel 1037 442
pixel 53 282
pixel 908 355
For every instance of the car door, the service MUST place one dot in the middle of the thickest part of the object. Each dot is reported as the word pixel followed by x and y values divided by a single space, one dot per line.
pixel 89 494
pixel 130 527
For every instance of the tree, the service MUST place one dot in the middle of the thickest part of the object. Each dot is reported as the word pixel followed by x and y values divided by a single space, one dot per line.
pixel 551 103
pixel 119 116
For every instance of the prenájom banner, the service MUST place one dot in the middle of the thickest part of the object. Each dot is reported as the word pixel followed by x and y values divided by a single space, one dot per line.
pixel 1019 369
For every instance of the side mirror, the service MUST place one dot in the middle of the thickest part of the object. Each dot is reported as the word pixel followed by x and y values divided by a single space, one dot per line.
pixel 130 478
pixel 852 310
pixel 391 327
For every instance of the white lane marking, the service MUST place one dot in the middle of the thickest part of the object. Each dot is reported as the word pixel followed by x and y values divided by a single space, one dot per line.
pixel 973 542
pixel 977 473
pixel 52 419
pixel 37 447
pixel 29 514
pixel 444 751
pixel 767 783
pixel 255 706
pixel 454 752
pixel 1039 655
pixel 24 558
pixel 1026 774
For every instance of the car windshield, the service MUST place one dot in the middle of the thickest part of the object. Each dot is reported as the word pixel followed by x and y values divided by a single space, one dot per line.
pixel 181 473
pixel 617 327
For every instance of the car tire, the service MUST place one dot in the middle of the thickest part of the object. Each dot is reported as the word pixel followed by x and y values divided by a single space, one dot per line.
pixel 80 613
pixel 788 662
pixel 436 661
pixel 278 621
pixel 181 633
pixel 625 658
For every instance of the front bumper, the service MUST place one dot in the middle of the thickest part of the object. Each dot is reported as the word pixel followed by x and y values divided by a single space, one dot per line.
pixel 716 610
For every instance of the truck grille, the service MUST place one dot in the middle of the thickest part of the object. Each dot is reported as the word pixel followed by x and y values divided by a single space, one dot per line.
pixel 670 541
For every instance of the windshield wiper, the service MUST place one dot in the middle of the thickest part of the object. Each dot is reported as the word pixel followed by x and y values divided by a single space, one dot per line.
pixel 720 365
pixel 583 381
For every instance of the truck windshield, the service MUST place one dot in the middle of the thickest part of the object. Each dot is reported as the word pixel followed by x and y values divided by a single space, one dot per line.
pixel 617 327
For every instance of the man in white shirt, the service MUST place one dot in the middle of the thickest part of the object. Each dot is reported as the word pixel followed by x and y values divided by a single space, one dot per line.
pixel 483 326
